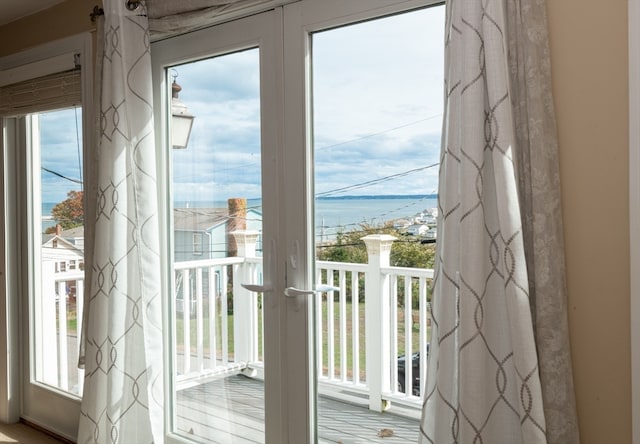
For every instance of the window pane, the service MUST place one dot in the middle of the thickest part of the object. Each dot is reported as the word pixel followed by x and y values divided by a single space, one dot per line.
pixel 58 239
pixel 377 109
pixel 217 213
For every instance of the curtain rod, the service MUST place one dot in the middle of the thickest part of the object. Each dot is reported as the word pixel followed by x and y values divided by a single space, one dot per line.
pixel 97 11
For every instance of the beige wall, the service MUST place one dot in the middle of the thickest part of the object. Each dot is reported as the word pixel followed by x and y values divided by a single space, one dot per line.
pixel 589 65
pixel 589 57
pixel 62 20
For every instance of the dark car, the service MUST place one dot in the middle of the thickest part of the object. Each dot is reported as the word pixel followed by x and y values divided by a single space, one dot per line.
pixel 415 373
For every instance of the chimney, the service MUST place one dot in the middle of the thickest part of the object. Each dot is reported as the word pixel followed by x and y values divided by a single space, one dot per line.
pixel 237 221
pixel 58 229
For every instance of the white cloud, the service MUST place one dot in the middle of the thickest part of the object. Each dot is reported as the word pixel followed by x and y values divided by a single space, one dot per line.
pixel 377 102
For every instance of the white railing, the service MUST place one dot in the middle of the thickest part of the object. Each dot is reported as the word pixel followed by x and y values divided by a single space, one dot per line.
pixel 56 310
pixel 354 360
pixel 367 330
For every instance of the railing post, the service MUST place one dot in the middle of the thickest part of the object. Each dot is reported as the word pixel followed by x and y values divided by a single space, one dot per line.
pixel 377 334
pixel 245 304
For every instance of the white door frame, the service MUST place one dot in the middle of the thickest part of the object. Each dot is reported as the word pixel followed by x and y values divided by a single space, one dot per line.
pixel 287 158
pixel 19 395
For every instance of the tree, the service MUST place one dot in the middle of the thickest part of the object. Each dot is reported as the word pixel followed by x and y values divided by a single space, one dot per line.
pixel 70 212
pixel 350 248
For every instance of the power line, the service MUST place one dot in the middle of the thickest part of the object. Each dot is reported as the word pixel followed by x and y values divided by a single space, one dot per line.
pixel 379 133
pixel 55 173
pixel 375 181
pixel 366 136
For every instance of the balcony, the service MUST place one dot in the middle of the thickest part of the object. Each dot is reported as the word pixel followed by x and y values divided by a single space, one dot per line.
pixel 370 321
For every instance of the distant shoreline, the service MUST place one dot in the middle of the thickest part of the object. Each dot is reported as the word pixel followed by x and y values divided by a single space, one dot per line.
pixel 380 196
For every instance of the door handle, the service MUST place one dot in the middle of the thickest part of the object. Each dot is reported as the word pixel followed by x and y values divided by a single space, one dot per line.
pixel 268 271
pixel 257 288
pixel 293 292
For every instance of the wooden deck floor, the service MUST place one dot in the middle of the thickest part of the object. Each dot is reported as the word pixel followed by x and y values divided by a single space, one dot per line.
pixel 231 410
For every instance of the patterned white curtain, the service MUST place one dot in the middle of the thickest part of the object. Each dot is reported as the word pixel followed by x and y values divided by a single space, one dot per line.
pixel 123 389
pixel 483 381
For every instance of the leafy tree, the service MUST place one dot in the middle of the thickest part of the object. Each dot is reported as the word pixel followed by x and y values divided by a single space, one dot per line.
pixel 70 212
pixel 350 248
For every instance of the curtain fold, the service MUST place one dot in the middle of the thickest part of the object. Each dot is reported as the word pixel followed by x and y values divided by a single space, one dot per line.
pixel 540 200
pixel 168 17
pixel 499 214
pixel 123 388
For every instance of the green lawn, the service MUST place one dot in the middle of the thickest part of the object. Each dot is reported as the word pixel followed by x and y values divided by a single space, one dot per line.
pixel 325 351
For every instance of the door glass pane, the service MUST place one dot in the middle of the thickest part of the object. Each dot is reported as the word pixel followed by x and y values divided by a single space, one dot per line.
pixel 57 237
pixel 216 246
pixel 377 113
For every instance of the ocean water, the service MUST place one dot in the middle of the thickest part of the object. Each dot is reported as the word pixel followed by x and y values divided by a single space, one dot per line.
pixel 333 214
pixel 336 214
pixel 345 214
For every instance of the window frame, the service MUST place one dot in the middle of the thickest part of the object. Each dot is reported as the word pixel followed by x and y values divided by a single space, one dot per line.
pixel 300 19
pixel 38 407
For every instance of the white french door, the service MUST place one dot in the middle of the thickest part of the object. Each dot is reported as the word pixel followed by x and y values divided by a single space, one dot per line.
pixel 240 222
pixel 45 135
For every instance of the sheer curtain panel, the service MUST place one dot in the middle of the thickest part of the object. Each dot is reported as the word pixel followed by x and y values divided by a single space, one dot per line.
pixel 123 390
pixel 499 197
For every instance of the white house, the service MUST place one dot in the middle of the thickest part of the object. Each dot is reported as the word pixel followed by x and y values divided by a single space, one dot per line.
pixel 201 233
pixel 417 229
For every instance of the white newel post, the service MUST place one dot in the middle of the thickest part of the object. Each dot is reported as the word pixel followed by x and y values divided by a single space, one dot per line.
pixel 245 304
pixel 377 312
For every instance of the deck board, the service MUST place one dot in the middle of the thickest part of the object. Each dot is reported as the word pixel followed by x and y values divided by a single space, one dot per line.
pixel 231 410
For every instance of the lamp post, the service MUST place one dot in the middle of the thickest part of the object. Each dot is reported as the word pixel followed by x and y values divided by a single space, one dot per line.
pixel 181 119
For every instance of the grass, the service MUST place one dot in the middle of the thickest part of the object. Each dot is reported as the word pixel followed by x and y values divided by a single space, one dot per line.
pixel 325 351
pixel 362 341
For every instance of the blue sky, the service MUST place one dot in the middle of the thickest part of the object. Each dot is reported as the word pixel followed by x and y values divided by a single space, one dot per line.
pixel 61 146
pixel 377 104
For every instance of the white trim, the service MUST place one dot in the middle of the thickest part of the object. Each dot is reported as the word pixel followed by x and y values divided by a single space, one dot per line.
pixel 290 372
pixel 41 68
pixel 9 311
pixel 47 51
pixel 22 397
pixel 634 209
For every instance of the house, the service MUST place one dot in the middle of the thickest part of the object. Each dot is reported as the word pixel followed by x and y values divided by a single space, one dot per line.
pixel 203 233
pixel 63 256
pixel 401 224
pixel 65 249
pixel 417 229
pixel 589 43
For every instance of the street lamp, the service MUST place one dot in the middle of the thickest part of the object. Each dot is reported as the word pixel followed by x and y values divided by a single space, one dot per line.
pixel 181 119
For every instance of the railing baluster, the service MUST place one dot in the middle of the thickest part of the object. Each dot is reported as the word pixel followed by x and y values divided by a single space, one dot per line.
pixel 186 321
pixel 425 326
pixel 343 325
pixel 79 327
pixel 355 325
pixel 63 355
pixel 199 321
pixel 319 335
pixel 213 300
pixel 224 324
pixel 408 330
pixel 330 327
pixel 393 328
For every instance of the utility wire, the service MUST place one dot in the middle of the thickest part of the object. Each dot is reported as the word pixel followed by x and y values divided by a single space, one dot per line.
pixel 374 181
pixel 55 173
pixel 379 133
